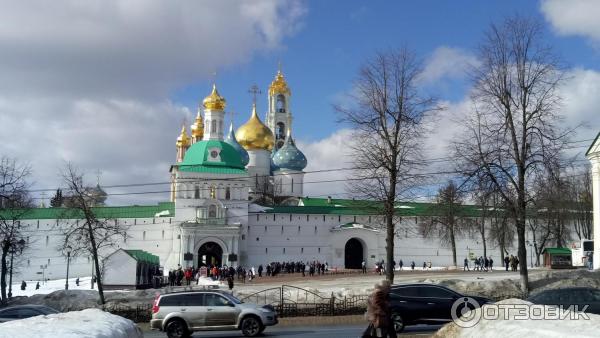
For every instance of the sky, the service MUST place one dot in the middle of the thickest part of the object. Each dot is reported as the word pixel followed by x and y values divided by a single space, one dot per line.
pixel 106 84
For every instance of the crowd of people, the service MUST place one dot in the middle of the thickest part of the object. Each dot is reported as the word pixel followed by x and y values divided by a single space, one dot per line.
pixel 186 276
pixel 480 263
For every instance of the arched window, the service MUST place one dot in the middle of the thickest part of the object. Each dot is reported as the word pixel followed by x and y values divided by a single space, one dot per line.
pixel 212 211
pixel 196 191
pixel 280 104
pixel 227 193
pixel 213 126
pixel 280 131
pixel 213 192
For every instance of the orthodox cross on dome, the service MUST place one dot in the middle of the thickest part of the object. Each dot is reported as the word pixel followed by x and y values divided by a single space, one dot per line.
pixel 279 66
pixel 254 90
pixel 98 175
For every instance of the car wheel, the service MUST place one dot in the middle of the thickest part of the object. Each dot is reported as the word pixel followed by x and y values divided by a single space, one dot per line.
pixel 398 322
pixel 177 329
pixel 251 326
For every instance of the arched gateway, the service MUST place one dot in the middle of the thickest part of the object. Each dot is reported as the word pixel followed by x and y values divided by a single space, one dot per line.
pixel 210 253
pixel 353 254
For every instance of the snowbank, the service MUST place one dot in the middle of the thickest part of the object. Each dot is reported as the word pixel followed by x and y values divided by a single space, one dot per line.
pixel 508 326
pixel 91 323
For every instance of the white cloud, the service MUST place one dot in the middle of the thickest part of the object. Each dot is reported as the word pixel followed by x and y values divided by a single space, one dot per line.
pixel 329 153
pixel 89 82
pixel 574 17
pixel 581 102
pixel 447 62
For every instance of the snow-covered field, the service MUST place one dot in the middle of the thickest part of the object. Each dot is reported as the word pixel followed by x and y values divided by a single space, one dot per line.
pixel 92 323
pixel 506 325
pixel 51 286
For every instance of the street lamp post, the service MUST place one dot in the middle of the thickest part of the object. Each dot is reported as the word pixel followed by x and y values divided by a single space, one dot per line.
pixel 68 261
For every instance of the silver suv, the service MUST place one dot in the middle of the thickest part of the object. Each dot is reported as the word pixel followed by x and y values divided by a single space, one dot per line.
pixel 179 314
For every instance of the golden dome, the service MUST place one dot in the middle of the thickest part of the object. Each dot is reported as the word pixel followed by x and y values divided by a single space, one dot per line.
pixel 183 140
pixel 214 101
pixel 197 129
pixel 254 134
pixel 279 86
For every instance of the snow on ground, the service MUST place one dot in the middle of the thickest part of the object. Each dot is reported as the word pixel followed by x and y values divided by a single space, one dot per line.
pixel 51 286
pixel 92 323
pixel 507 326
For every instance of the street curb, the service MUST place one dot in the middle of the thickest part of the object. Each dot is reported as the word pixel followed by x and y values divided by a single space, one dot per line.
pixel 322 320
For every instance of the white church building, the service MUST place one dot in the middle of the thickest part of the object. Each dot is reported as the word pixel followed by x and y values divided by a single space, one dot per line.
pixel 212 217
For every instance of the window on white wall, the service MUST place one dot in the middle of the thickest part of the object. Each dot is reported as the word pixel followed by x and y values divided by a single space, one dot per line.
pixel 163 234
pixel 227 193
pixel 144 236
pixel 48 261
pixel 212 211
pixel 47 240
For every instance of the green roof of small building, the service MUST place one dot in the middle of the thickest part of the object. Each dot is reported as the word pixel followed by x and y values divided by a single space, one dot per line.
pixel 212 156
pixel 557 251
pixel 143 256
pixel 165 209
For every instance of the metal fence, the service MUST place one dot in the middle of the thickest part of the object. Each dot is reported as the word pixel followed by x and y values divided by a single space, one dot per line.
pixel 140 313
pixel 292 301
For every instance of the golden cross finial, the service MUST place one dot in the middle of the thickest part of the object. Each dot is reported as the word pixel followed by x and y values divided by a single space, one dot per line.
pixel 254 90
pixel 279 66
pixel 214 77
pixel 98 175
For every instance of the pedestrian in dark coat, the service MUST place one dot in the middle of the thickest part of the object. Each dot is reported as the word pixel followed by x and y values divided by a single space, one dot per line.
pixel 37 286
pixel 506 261
pixel 230 282
pixel 23 285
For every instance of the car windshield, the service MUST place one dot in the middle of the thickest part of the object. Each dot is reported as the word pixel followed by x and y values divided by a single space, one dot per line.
pixel 232 298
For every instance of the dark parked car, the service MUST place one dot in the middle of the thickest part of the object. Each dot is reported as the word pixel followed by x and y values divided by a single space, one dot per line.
pixel 413 304
pixel 24 311
pixel 566 297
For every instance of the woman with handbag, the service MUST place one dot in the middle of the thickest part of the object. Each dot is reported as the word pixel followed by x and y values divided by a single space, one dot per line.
pixel 379 313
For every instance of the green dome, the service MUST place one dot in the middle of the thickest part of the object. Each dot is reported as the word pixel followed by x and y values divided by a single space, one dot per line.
pixel 212 154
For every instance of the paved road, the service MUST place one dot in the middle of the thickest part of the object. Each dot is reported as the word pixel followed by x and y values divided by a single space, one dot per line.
pixel 329 331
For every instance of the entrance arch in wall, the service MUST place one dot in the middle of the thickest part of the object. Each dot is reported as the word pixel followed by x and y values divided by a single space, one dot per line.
pixel 353 253
pixel 210 253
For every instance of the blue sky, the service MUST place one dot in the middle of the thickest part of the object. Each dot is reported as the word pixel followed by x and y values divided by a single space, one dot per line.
pixel 322 58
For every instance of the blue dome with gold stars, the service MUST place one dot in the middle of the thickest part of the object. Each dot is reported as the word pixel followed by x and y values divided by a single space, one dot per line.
pixel 289 156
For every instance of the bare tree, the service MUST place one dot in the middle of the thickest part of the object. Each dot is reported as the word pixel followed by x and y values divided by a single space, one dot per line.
pixel 450 222
pixel 88 234
pixel 387 116
pixel 14 203
pixel 502 230
pixel 513 130
pixel 581 195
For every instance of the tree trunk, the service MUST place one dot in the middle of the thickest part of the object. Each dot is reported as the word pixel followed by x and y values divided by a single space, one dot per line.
pixel 389 241
pixel 522 250
pixel 97 263
pixel 453 243
pixel 3 275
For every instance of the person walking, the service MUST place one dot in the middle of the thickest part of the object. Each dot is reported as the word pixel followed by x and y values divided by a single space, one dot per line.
pixel 363 267
pixel 37 286
pixel 412 265
pixel 260 270
pixel 401 265
pixel 506 261
pixel 230 282
pixel 491 264
pixel 23 285
pixel 466 267
pixel 379 313
pixel 77 281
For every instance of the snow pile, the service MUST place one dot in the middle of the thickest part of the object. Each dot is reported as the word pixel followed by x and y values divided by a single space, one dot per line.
pixel 205 281
pixel 63 300
pixel 505 325
pixel 91 323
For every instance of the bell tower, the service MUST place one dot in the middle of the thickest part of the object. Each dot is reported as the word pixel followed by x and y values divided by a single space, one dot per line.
pixel 279 116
